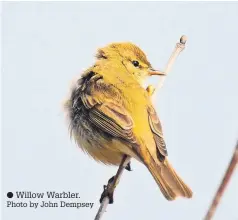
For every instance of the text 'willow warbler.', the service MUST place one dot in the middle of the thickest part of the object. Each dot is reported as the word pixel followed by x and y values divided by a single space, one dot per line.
pixel 111 115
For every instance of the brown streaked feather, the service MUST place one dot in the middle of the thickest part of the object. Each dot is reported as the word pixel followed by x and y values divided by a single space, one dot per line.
pixel 114 120
pixel 118 114
pixel 156 128
pixel 110 116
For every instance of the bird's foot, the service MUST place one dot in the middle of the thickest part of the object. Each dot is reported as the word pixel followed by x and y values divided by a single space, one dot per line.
pixel 108 191
pixel 128 167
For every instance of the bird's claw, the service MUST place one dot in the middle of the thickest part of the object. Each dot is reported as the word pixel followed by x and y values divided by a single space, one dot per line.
pixel 128 167
pixel 106 192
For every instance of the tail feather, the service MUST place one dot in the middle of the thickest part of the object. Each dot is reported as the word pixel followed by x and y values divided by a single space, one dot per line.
pixel 171 185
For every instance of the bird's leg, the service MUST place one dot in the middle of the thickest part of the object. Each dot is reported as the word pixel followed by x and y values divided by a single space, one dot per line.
pixel 128 167
pixel 108 190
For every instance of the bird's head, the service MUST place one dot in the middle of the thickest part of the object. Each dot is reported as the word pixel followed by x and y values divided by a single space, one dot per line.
pixel 130 57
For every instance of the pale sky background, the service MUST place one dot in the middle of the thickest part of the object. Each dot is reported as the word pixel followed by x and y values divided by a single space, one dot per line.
pixel 45 45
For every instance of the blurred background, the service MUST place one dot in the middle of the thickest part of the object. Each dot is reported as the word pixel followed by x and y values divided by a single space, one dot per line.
pixel 46 44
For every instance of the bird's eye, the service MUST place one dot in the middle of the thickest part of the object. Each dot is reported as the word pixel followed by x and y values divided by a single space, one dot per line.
pixel 135 63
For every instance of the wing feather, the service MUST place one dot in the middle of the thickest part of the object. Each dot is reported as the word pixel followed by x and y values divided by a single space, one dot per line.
pixel 156 128
pixel 107 114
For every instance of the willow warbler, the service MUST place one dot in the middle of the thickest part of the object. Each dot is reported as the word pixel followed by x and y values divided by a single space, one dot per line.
pixel 111 115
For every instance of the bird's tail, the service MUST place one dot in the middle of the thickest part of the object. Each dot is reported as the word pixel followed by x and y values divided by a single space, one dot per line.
pixel 170 184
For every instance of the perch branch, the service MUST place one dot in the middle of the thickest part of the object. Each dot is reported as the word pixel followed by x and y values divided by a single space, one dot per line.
pixel 126 159
pixel 177 50
pixel 223 185
pixel 112 186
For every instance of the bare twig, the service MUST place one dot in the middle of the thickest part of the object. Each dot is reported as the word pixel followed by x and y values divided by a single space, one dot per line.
pixel 126 159
pixel 223 185
pixel 177 50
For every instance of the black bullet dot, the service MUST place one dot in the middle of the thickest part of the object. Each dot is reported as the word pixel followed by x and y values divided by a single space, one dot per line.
pixel 9 195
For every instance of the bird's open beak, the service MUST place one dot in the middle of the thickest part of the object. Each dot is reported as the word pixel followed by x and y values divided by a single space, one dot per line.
pixel 153 72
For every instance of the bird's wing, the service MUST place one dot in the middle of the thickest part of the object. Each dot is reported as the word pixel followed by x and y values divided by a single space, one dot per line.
pixel 104 108
pixel 106 111
pixel 156 128
pixel 113 119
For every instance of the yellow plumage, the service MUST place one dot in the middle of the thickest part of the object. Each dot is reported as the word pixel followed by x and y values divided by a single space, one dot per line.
pixel 111 115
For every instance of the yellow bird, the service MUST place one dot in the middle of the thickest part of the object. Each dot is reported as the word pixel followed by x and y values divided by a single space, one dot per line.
pixel 111 115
